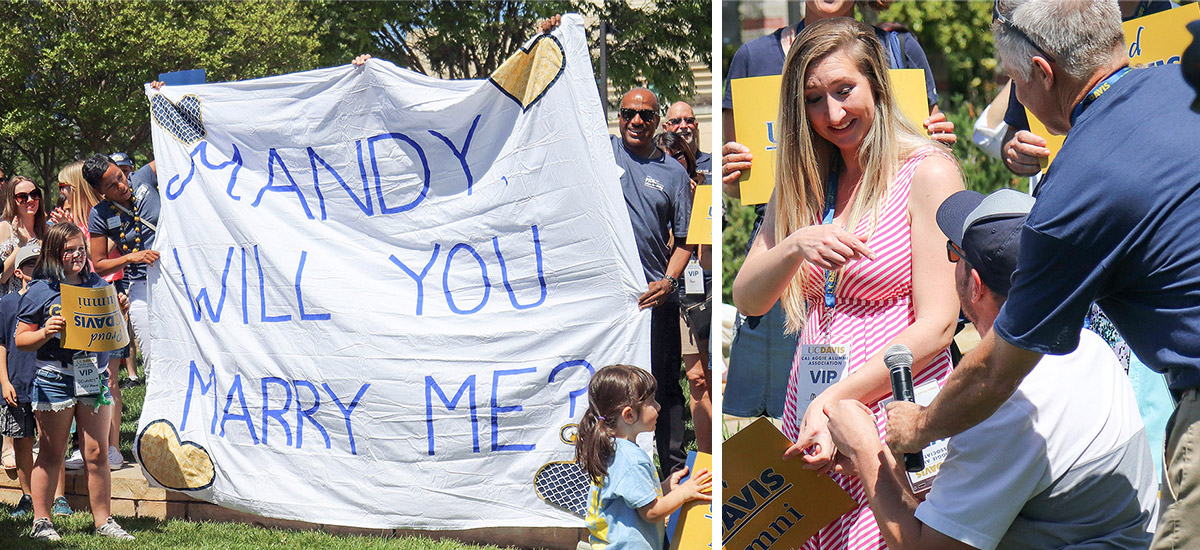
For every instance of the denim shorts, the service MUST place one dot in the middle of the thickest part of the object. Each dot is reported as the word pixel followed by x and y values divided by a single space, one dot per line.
pixel 55 391
pixel 116 354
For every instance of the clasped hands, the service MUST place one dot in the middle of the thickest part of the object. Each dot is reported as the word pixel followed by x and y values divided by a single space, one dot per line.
pixel 833 435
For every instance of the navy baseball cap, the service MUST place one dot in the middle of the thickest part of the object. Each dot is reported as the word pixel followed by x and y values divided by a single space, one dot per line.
pixel 121 159
pixel 988 230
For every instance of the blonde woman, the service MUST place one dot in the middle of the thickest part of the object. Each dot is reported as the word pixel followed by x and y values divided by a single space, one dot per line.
pixel 850 245
pixel 80 201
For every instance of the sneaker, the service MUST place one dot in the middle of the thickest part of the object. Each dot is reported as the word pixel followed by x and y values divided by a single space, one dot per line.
pixel 132 382
pixel 115 460
pixel 111 530
pixel 75 461
pixel 61 508
pixel 43 530
pixel 24 507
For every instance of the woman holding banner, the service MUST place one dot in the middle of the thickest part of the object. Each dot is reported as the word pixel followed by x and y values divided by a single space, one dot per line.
pixel 65 378
pixel 850 245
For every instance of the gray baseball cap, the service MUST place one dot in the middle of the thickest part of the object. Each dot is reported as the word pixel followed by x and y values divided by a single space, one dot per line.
pixel 28 252
pixel 988 231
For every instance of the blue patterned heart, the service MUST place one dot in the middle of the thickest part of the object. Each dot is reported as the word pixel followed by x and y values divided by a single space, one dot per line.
pixel 182 120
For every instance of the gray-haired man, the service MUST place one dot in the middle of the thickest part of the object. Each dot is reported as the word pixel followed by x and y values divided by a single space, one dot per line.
pixel 1115 223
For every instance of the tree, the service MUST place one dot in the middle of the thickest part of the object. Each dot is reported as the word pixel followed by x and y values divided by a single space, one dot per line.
pixel 71 73
pixel 959 32
pixel 652 43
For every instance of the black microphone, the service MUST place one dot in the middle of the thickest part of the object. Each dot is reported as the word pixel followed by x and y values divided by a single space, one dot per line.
pixel 898 359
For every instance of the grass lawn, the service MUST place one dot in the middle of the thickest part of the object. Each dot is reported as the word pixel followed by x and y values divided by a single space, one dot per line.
pixel 76 531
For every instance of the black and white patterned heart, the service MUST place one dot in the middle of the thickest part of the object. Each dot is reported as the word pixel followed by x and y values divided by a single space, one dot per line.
pixel 182 120
pixel 563 484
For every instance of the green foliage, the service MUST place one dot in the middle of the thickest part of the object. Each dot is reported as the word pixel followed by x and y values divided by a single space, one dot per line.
pixel 653 43
pixel 738 223
pixel 648 43
pixel 466 39
pixel 959 32
pixel 980 172
pixel 71 73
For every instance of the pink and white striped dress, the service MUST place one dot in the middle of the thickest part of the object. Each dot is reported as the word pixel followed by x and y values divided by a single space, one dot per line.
pixel 874 304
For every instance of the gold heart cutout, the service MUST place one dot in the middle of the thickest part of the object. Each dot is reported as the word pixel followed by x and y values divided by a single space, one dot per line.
pixel 528 74
pixel 173 463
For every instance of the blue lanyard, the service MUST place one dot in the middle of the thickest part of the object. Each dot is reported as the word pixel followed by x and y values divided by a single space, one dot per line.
pixel 1097 92
pixel 831 276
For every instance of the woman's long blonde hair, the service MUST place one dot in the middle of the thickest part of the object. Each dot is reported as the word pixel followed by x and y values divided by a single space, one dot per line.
pixel 83 199
pixel 804 158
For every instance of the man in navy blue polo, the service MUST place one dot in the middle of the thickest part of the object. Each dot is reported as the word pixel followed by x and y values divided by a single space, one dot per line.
pixel 658 194
pixel 1115 223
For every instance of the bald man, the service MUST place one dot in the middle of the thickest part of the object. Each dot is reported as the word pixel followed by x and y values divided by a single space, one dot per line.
pixel 658 194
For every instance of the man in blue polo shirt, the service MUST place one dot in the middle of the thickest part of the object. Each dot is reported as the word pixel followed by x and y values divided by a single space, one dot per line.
pixel 125 220
pixel 658 194
pixel 1115 223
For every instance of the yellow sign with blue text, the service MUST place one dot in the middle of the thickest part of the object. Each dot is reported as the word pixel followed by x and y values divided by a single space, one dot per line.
pixel 701 224
pixel 769 504
pixel 94 319
pixel 756 109
pixel 694 526
pixel 1153 40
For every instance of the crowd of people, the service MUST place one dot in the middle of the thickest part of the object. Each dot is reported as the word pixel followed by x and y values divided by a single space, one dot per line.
pixel 100 233
pixel 852 251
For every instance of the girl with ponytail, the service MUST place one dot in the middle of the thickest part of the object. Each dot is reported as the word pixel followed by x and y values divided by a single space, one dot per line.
pixel 627 507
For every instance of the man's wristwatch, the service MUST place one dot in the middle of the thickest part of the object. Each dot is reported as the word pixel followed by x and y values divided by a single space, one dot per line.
pixel 674 282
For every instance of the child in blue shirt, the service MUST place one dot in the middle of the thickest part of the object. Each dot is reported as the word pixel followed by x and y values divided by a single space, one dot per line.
pixel 626 505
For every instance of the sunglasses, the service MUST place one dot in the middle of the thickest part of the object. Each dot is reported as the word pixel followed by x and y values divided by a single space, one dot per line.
pixel 64 185
pixel 996 16
pixel 74 252
pixel 680 120
pixel 34 195
pixel 646 114
pixel 953 252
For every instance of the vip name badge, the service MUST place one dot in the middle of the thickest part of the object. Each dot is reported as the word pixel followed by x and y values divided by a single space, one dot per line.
pixel 87 375
pixel 820 366
pixel 693 278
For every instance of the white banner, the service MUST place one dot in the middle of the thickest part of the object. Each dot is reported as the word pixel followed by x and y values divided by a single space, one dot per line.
pixel 381 294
